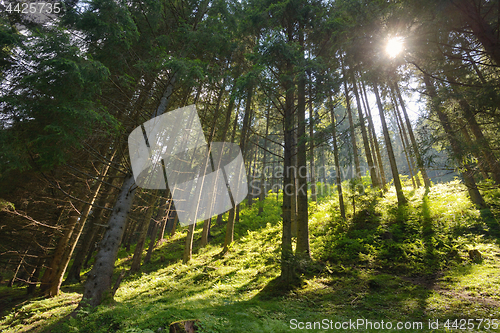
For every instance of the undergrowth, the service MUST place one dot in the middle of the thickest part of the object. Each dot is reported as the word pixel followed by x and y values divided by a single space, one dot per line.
pixel 384 262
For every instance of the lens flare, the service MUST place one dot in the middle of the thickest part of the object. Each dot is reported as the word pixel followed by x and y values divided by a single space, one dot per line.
pixel 394 46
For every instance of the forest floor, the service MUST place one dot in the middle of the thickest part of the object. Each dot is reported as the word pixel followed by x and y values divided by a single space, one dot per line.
pixel 385 265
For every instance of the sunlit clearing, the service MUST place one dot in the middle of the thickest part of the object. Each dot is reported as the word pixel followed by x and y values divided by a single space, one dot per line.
pixel 394 46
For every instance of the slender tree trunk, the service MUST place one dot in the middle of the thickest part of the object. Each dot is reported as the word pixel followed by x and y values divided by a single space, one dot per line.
pixel 392 160
pixel 205 232
pixel 162 227
pixel 158 221
pixel 21 262
pixel 263 189
pixel 302 250
pixel 174 226
pixel 98 283
pixel 322 163
pixel 375 140
pixel 234 212
pixel 338 178
pixel 106 195
pixel 406 142
pixel 188 246
pixel 366 143
pixel 207 222
pixel 49 279
pixel 416 152
pixel 351 126
pixel 403 137
pixel 311 146
pixel 33 280
pixel 76 267
pixel 288 274
pixel 251 193
pixel 58 276
pixel 146 221
pixel 294 186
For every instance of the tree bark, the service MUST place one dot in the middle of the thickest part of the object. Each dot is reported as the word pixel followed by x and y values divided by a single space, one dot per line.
pixel 57 278
pixel 49 285
pixel 311 146
pixel 392 160
pixel 351 126
pixel 263 188
pixel 366 143
pixel 338 178
pixel 375 140
pixel 404 140
pixel 416 152
pixel 98 283
pixel 188 245
pixel 302 250
pixel 235 210
pixel 288 274
pixel 139 247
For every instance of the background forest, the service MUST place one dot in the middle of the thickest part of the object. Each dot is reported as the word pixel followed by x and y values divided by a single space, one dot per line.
pixel 370 135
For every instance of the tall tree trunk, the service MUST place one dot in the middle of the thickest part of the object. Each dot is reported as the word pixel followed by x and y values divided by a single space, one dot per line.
pixel 392 160
pixel 302 250
pixel 188 245
pixel 406 141
pixel 57 277
pixel 234 212
pixel 322 162
pixel 416 152
pixel 403 138
pixel 263 188
pixel 251 193
pixel 311 146
pixel 98 283
pixel 48 279
pixel 146 221
pixel 294 185
pixel 458 153
pixel 205 232
pixel 106 195
pixel 375 140
pixel 207 222
pixel 34 277
pixel 174 226
pixel 366 143
pixel 351 126
pixel 338 178
pixel 288 274
pixel 162 227
pixel 158 221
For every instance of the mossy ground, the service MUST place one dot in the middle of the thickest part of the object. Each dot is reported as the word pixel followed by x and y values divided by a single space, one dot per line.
pixel 390 263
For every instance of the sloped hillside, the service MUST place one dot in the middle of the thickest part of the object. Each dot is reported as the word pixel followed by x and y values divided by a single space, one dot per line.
pixel 384 265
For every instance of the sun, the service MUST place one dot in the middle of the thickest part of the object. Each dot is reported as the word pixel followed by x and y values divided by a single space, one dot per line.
pixel 394 46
